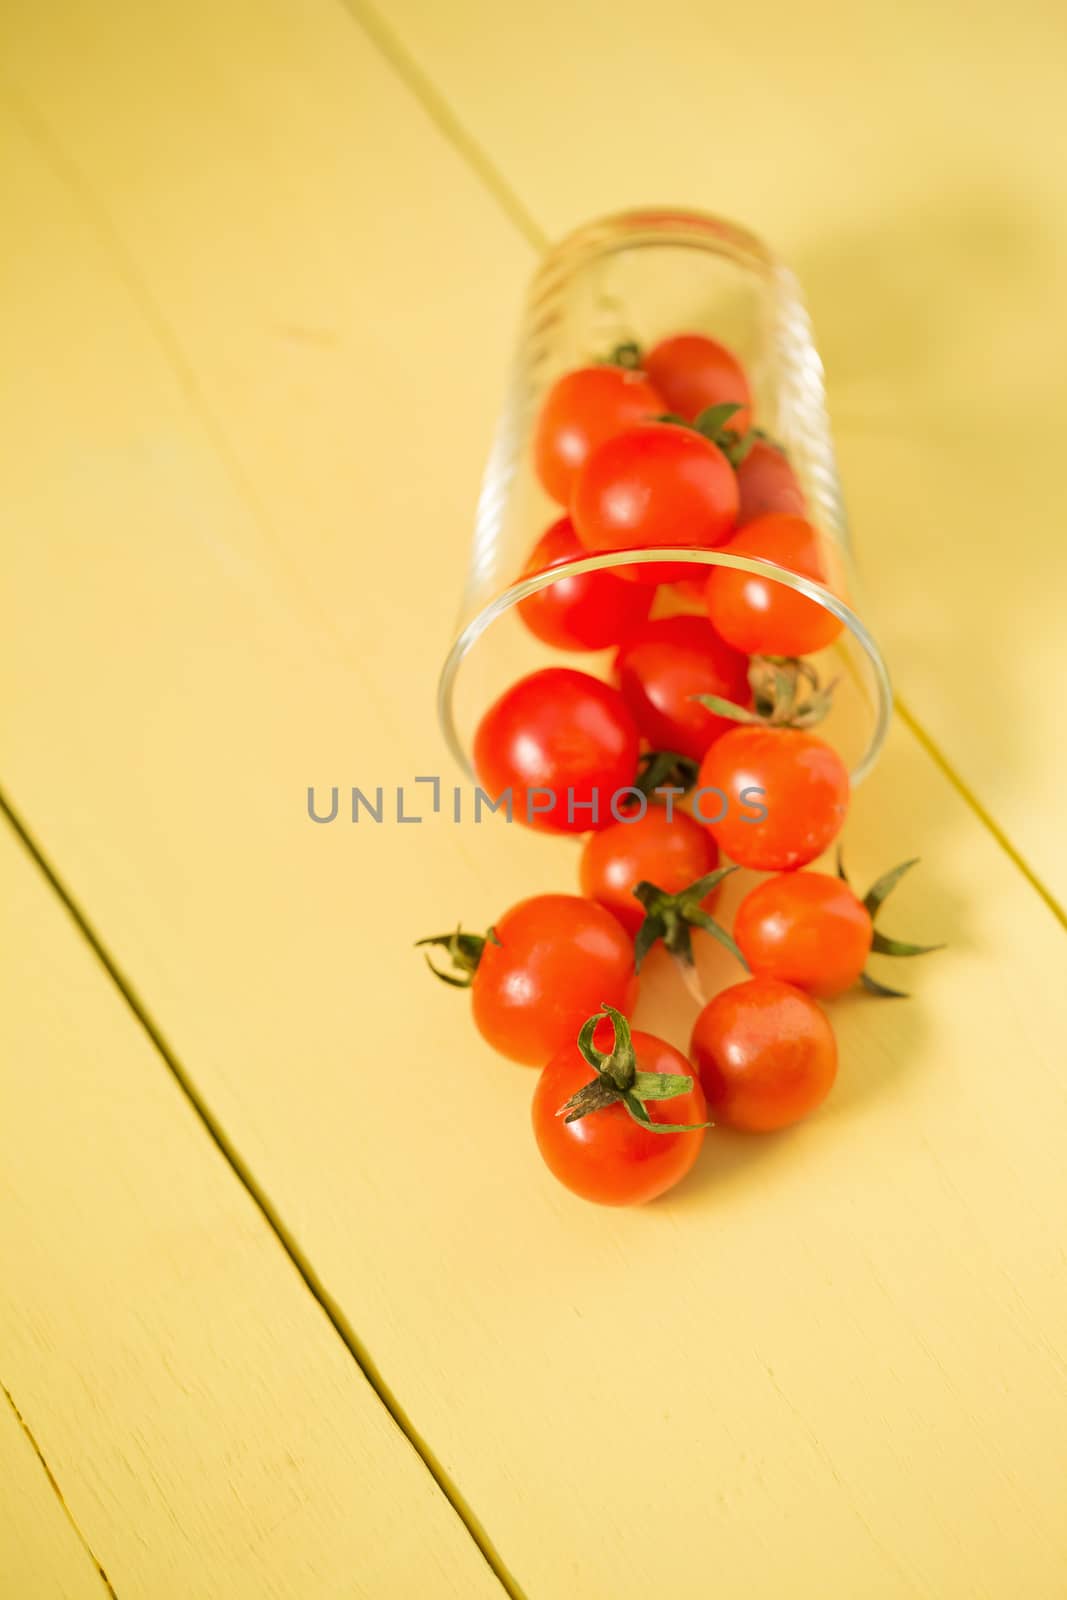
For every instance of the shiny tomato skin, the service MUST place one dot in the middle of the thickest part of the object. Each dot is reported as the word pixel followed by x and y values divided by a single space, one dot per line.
pixel 807 929
pixel 559 959
pixel 587 612
pixel 805 792
pixel 659 669
pixel 766 1055
pixel 761 616
pixel 657 484
pixel 580 411
pixel 559 730
pixel 766 483
pixel 692 372
pixel 606 1157
pixel 670 852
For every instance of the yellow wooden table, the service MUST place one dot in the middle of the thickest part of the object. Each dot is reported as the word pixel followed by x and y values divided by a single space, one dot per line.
pixel 288 1306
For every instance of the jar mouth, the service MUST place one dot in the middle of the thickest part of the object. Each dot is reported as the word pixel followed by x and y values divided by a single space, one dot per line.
pixel 654 226
pixel 482 621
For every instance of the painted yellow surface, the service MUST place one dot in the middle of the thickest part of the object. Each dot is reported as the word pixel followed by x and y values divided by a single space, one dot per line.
pixel 910 161
pixel 260 312
pixel 207 1431
pixel 41 1552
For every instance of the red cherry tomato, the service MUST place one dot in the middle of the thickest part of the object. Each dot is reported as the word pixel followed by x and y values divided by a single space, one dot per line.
pixel 663 665
pixel 764 617
pixel 767 483
pixel 658 484
pixel 580 411
pixel 557 960
pixel 563 743
pixel 766 1055
pixel 587 612
pixel 671 852
pixel 606 1156
pixel 807 929
pixel 693 372
pixel 782 794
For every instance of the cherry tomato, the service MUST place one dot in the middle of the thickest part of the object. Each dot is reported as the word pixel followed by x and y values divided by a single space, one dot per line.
pixel 588 612
pixel 658 484
pixel 659 669
pixel 766 1055
pixel 671 852
pixel 692 372
pixel 760 615
pixel 580 411
pixel 563 743
pixel 807 929
pixel 607 1156
pixel 557 958
pixel 782 795
pixel 767 483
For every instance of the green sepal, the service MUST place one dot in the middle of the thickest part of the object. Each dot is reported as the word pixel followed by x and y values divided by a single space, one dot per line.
pixel 464 951
pixel 882 990
pixel 618 1080
pixel 883 945
pixel 628 354
pixel 670 917
pixel 665 769
pixel 880 891
pixel 727 708
pixel 713 419
pixel 777 699
pixel 660 1085
pixel 642 1118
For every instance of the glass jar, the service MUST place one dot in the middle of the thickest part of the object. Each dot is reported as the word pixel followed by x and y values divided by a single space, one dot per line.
pixel 638 277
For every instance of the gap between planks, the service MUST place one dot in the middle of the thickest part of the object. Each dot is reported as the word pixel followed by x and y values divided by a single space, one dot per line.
pixel 56 1490
pixel 306 1272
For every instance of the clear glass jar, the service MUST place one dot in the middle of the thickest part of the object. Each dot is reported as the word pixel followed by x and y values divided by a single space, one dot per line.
pixel 638 277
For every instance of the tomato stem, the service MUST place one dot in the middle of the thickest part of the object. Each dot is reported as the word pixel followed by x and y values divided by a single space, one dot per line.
pixel 464 952
pixel 715 424
pixel 658 768
pixel 618 1079
pixel 786 693
pixel 671 917
pixel 627 354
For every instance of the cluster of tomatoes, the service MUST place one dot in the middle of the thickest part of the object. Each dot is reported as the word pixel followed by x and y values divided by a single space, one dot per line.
pixel 718 703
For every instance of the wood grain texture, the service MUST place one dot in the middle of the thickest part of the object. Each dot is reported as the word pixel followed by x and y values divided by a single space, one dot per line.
pixel 208 1431
pixel 930 238
pixel 41 1553
pixel 263 311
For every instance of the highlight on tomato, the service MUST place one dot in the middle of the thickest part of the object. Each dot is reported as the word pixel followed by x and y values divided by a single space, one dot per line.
pixel 618 1126
pixel 580 411
pixel 766 1055
pixel 539 972
pixel 811 930
pixel 661 669
pixel 560 745
pixel 801 782
pixel 656 484
pixel 692 372
pixel 587 611
pixel 758 614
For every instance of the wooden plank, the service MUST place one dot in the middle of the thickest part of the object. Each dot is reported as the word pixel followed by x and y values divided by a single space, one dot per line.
pixel 927 235
pixel 41 1553
pixel 832 1364
pixel 208 1431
